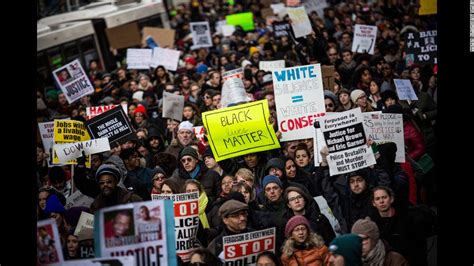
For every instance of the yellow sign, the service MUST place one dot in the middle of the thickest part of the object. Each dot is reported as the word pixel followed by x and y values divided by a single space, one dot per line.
pixel 428 7
pixel 68 131
pixel 239 130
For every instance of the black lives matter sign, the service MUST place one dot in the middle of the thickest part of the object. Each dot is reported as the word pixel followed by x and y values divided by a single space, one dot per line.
pixel 112 124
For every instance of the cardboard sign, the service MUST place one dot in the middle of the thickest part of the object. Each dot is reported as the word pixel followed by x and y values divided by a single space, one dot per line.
pixel 201 33
pixel 383 128
pixel 112 124
pixel 281 29
pixel 186 219
pixel 124 36
pixel 147 232
pixel 94 111
pixel 173 106
pixel 245 20
pixel 328 77
pixel 271 65
pixel 243 249
pixel 48 243
pixel 299 99
pixel 166 57
pixel 233 92
pixel 405 90
pixel 163 37
pixel 299 21
pixel 429 7
pixel 139 58
pixel 239 130
pixel 70 151
pixel 364 39
pixel 73 81
pixel 346 141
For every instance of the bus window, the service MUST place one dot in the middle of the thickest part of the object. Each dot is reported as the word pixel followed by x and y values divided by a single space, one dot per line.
pixel 71 51
pixel 55 57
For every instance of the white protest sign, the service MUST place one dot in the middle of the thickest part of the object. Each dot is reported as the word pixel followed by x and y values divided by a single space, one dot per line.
pixel 234 73
pixel 122 261
pixel 318 144
pixel 138 58
pixel 326 211
pixel 86 220
pixel 405 90
pixel 70 151
pixel 147 232
pixel 299 21
pixel 77 199
pixel 73 81
pixel 173 106
pixel 243 249
pixel 46 130
pixel 219 25
pixel 383 128
pixel 48 245
pixel 299 99
pixel 227 30
pixel 201 33
pixel 233 91
pixel 347 144
pixel 186 219
pixel 199 133
pixel 97 110
pixel 166 57
pixel 271 65
pixel 315 5
pixel 364 39
pixel 277 8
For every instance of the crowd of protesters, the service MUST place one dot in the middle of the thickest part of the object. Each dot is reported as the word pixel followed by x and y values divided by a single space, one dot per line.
pixel 273 188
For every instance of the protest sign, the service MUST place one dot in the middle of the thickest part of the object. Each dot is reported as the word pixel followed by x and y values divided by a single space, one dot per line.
pixel 271 65
pixel 293 2
pixel 199 133
pixel 97 110
pixel 77 199
pixel 173 106
pixel 73 81
pixel 245 20
pixel 70 151
pixel 146 232
pixel 112 124
pixel 346 141
pixel 278 8
pixel 243 249
pixel 46 130
pixel 138 58
pixel 201 33
pixel 299 21
pixel 234 73
pixel 326 211
pixel 428 7
pixel 364 39
pixel 281 29
pixel 166 57
pixel 405 90
pixel 239 130
pixel 315 5
pixel 318 145
pixel 383 128
pixel 421 47
pixel 328 77
pixel 86 220
pixel 163 37
pixel 116 261
pixel 299 99
pixel 233 92
pixel 186 220
pixel 266 12
pixel 48 243
pixel 69 131
pixel 124 36
pixel 227 30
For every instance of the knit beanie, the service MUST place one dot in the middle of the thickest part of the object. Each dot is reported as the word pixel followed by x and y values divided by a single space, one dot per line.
pixel 294 222
pixel 190 151
pixel 355 94
pixel 350 247
pixel 108 169
pixel 271 179
pixel 53 205
pixel 366 227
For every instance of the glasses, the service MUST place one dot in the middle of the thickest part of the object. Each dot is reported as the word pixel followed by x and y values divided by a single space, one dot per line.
pixel 184 160
pixel 160 177
pixel 238 214
pixel 299 197
pixel 330 105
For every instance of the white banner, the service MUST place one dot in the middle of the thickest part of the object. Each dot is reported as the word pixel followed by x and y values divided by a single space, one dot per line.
pixel 70 151
pixel 347 144
pixel 138 58
pixel 73 81
pixel 299 99
pixel 166 57
pixel 364 39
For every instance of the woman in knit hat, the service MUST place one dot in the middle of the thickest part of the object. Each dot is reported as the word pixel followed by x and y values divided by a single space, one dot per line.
pixel 359 98
pixel 302 245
